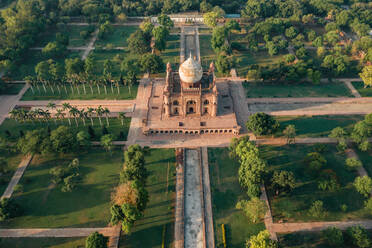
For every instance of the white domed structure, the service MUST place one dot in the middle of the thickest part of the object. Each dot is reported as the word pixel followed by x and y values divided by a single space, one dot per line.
pixel 190 71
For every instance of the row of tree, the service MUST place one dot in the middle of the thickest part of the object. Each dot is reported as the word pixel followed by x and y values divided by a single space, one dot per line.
pixel 130 197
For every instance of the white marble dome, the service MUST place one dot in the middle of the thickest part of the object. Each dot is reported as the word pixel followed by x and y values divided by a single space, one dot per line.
pixel 190 71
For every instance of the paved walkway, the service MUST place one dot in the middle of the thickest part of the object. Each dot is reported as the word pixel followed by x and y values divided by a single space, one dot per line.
pixel 318 226
pixel 350 86
pixel 90 46
pixel 8 102
pixel 17 176
pixel 56 232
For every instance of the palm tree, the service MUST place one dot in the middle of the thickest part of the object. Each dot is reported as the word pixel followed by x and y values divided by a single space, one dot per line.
pixel 83 115
pixel 52 106
pixel 75 113
pixel 100 112
pixel 60 114
pixel 122 117
pixel 67 106
pixel 89 113
pixel 106 111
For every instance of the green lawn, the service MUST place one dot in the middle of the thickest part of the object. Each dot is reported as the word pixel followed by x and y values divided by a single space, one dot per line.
pixel 147 232
pixel 13 160
pixel 294 207
pixel 12 89
pixel 43 242
pixel 116 56
pixel 31 59
pixel 365 92
pixel 207 54
pixel 226 192
pixel 171 53
pixel 317 126
pixel 125 94
pixel 118 38
pixel 115 127
pixel 296 90
pixel 366 158
pixel 86 206
pixel 73 31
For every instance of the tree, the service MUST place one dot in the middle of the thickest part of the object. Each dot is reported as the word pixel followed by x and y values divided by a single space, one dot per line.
pixel 333 236
pixel 251 171
pixel 359 236
pixel 353 163
pixel 317 210
pixel 315 161
pixel 290 133
pixel 254 209
pixel 360 134
pixel 289 58
pixel 151 63
pixel 96 240
pixel 283 181
pixel 210 18
pixel 34 142
pixel 160 35
pixel 343 18
pixel 54 49
pixel 165 21
pixel 261 240
pixel 363 185
pixel 107 142
pixel 83 139
pixel 138 43
pixel 366 76
pixel 219 40
pixel 63 140
pixel 127 214
pixel 9 209
pixel 224 64
pixel 291 32
pixel 262 124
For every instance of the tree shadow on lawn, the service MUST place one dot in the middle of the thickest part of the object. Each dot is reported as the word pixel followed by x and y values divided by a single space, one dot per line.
pixel 159 204
pixel 147 237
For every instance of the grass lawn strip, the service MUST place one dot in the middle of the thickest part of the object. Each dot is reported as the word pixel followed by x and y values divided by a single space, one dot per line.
pixel 115 127
pixel 317 126
pixel 43 242
pixel 254 90
pixel 147 232
pixel 226 192
pixel 13 89
pixel 88 205
pixel 118 38
pixel 125 94
pixel 294 207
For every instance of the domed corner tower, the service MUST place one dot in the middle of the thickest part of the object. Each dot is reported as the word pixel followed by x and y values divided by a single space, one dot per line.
pixel 191 92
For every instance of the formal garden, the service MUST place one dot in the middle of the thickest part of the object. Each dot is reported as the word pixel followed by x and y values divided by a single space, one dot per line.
pixel 155 228
pixel 226 193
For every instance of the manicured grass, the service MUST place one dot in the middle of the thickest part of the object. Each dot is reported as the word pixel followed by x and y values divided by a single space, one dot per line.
pixel 31 59
pixel 226 192
pixel 116 56
pixel 88 205
pixel 73 31
pixel 366 158
pixel 12 89
pixel 118 38
pixel 171 53
pixel 125 94
pixel 207 54
pixel 317 126
pixel 294 207
pixel 365 92
pixel 115 127
pixel 13 160
pixel 43 242
pixel 296 90
pixel 147 232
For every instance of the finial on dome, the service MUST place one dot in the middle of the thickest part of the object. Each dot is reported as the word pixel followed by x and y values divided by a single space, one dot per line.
pixel 190 55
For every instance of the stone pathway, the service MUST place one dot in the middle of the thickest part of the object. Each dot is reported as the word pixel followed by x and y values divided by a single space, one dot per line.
pixel 350 86
pixel 241 110
pixel 56 232
pixel 8 102
pixel 268 218
pixel 194 219
pixel 90 46
pixel 318 226
pixel 17 176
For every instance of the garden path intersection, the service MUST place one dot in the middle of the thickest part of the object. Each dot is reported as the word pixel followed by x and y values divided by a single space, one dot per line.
pixel 198 220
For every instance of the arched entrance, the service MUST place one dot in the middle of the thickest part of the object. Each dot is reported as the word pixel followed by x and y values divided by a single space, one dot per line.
pixel 191 107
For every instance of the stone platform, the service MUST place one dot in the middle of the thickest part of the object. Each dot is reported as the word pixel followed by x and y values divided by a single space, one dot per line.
pixel 157 123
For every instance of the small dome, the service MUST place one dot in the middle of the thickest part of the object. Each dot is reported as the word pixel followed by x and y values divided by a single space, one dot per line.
pixel 190 71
